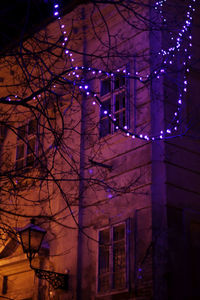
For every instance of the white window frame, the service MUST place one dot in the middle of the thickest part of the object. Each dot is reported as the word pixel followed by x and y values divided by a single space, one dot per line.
pixel 112 289
pixel 105 113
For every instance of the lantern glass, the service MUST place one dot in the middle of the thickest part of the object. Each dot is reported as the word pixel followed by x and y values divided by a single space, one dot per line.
pixel 24 236
pixel 31 238
pixel 36 238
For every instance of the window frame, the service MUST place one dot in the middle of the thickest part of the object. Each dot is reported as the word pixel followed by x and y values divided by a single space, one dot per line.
pixel 112 289
pixel 24 139
pixel 112 94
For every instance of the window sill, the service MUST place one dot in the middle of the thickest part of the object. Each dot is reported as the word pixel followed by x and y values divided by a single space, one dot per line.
pixel 113 138
pixel 112 292
pixel 111 135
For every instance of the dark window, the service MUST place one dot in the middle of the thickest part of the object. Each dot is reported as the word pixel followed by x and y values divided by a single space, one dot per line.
pixel 119 82
pixel 31 148
pixel 104 260
pixel 112 272
pixel 105 123
pixel 120 110
pixel 119 257
pixel 5 285
pixel 20 151
pixel 105 87
pixel 20 155
pixel 32 127
pixel 26 145
pixel 21 132
pixel 114 97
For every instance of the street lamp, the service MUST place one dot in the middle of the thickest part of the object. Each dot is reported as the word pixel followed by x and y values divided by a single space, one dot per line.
pixel 31 238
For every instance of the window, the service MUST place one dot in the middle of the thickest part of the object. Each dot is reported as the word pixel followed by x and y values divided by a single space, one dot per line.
pixel 26 145
pixel 115 104
pixel 113 255
pixel 5 285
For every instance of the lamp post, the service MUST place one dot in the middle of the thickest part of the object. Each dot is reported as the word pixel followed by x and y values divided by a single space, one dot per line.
pixel 31 238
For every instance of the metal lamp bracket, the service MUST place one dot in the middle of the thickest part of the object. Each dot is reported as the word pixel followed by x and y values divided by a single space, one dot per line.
pixel 56 280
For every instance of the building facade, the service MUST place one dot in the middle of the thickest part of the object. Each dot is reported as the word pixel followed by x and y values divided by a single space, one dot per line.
pixel 100 146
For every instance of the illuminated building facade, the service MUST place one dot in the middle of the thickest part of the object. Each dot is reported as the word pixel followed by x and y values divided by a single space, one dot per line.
pixel 100 146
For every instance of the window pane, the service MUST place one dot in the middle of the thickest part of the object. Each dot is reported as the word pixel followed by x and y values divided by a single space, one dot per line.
pixel 104 236
pixel 104 261
pixel 2 130
pixel 31 146
pixel 19 164
pixel 104 285
pixel 32 127
pixel 117 103
pixel 119 232
pixel 104 239
pixel 31 152
pixel 116 122
pixel 105 127
pixel 123 100
pixel 119 279
pixel 120 101
pixel 105 108
pixel 21 132
pixel 124 118
pixel 119 82
pixel 121 118
pixel 30 159
pixel 105 86
pixel 119 261
pixel 20 151
pixel 105 124
pixel 119 257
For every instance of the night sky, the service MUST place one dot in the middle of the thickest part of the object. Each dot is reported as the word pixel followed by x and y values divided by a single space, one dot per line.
pixel 18 18
pixel 21 18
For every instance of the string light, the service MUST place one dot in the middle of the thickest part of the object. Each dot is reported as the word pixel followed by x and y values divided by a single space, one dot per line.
pixel 182 42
